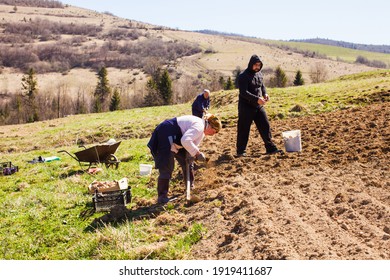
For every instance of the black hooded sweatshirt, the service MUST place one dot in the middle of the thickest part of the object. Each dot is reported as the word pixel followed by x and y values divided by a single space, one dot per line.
pixel 251 84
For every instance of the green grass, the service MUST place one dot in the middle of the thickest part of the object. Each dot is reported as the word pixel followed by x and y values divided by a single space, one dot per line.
pixel 46 211
pixel 46 208
pixel 333 52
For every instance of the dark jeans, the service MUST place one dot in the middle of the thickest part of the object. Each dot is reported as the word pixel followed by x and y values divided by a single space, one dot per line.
pixel 246 115
pixel 167 169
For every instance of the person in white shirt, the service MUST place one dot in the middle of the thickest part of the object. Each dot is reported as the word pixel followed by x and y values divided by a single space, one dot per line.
pixel 174 138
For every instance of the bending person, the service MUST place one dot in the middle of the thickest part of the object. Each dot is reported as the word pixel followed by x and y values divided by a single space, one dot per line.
pixel 174 138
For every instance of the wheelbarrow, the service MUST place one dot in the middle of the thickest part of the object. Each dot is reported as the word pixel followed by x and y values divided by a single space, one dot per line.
pixel 102 153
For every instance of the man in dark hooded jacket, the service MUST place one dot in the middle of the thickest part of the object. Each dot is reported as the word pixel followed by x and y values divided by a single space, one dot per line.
pixel 252 98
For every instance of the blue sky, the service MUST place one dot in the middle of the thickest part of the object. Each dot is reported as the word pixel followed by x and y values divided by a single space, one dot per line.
pixel 357 21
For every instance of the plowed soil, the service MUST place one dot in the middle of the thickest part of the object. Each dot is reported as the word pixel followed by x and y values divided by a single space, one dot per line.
pixel 331 201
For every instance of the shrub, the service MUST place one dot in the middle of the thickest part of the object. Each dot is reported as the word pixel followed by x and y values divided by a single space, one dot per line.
pixel 17 57
pixel 34 3
pixel 373 63
pixel 41 27
pixel 318 73
pixel 123 34
pixel 67 54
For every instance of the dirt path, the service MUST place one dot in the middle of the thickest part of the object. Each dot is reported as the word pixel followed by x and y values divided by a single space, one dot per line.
pixel 331 201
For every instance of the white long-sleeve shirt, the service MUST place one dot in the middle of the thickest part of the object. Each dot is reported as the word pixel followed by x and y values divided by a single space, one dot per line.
pixel 192 128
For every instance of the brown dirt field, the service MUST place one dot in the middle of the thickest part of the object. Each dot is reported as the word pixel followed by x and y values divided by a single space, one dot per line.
pixel 331 201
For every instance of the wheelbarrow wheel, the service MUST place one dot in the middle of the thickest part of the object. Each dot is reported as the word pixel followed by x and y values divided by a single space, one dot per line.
pixel 112 160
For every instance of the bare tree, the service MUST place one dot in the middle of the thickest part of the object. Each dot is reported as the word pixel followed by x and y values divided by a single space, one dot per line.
pixel 185 89
pixel 318 73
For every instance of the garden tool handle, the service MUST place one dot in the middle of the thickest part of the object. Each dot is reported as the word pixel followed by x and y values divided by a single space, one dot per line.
pixel 188 180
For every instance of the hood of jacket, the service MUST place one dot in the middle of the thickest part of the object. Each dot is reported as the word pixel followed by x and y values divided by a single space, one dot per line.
pixel 254 58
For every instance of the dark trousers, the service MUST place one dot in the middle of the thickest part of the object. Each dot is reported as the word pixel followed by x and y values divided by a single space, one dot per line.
pixel 167 169
pixel 247 115
pixel 166 172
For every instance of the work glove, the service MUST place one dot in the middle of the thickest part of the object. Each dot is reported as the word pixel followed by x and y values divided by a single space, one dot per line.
pixel 200 157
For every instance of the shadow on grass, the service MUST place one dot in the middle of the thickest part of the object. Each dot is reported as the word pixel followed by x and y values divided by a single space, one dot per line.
pixel 120 214
pixel 71 173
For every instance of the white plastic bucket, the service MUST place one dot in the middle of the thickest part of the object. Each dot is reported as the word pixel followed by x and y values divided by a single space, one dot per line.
pixel 292 140
pixel 145 169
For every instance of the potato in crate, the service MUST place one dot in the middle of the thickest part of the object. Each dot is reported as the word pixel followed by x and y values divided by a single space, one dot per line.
pixel 107 195
pixel 108 186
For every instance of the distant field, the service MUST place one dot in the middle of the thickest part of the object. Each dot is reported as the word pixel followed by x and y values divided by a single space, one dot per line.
pixel 333 52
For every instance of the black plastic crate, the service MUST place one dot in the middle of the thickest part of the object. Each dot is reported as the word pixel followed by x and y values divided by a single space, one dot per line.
pixel 7 168
pixel 106 201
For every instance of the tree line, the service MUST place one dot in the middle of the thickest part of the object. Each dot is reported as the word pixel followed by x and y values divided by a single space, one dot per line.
pixel 34 3
pixel 31 105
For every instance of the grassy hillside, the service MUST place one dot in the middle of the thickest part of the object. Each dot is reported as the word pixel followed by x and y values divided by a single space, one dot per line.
pixel 333 52
pixel 47 211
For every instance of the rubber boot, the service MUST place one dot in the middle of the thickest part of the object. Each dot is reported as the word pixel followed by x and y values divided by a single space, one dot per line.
pixel 162 190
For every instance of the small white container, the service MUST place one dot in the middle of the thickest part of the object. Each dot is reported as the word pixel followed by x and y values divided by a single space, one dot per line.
pixel 292 140
pixel 145 169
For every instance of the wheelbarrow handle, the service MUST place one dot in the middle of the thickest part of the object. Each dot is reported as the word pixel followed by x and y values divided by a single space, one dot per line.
pixel 63 151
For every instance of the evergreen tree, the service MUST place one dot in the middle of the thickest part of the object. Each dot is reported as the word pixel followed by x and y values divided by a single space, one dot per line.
pixel 165 87
pixel 115 101
pixel 280 77
pixel 236 73
pixel 229 84
pixel 152 97
pixel 30 90
pixel 159 89
pixel 222 82
pixel 102 91
pixel 19 107
pixel 298 79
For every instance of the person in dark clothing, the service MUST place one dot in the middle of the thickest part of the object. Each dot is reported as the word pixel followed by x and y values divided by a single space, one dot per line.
pixel 252 98
pixel 201 104
pixel 179 138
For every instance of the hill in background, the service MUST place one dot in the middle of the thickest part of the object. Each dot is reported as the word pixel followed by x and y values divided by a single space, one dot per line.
pixel 363 47
pixel 67 45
